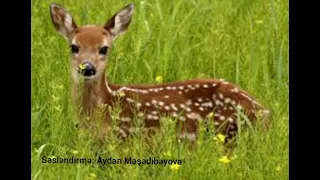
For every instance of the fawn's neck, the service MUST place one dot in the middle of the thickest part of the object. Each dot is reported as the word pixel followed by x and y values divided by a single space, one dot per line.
pixel 90 95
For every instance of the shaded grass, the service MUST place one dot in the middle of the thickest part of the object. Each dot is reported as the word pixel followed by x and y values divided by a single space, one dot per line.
pixel 243 41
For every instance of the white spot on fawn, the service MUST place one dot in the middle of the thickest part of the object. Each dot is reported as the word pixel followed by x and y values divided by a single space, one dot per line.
pixel 197 85
pixel 148 104
pixel 125 119
pixel 220 95
pixel 201 108
pixel 200 99
pixel 166 96
pixel 205 86
pixel 167 108
pixel 227 100
pixel 230 120
pixel 207 104
pixel 139 105
pixel 182 118
pixel 174 107
pixel 174 114
pixel 154 102
pixel 154 112
pixel 182 106
pixel 181 87
pixel 168 88
pixel 214 85
pixel 217 102
pixel 180 92
pixel 121 89
pixel 174 88
pixel 161 103
pixel 196 104
pixel 222 118
pixel 236 90
pixel 129 100
pixel 151 117
pixel 123 133
pixel 193 116
pixel 189 102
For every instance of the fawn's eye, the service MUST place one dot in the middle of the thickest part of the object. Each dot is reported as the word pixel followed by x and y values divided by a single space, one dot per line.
pixel 103 50
pixel 74 49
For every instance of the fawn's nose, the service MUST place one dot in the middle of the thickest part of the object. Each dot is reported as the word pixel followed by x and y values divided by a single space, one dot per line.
pixel 87 69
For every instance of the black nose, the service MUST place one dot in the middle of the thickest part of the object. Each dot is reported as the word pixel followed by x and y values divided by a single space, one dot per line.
pixel 87 69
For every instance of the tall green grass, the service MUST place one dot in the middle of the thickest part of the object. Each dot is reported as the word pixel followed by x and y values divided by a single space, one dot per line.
pixel 242 41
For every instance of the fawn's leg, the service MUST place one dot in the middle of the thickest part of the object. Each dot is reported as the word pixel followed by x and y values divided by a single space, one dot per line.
pixel 187 129
pixel 150 129
pixel 230 133
pixel 125 125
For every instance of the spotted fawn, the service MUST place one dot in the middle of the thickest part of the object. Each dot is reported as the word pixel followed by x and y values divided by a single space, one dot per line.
pixel 188 102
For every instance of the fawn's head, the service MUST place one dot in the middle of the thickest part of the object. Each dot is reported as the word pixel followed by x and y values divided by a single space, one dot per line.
pixel 89 44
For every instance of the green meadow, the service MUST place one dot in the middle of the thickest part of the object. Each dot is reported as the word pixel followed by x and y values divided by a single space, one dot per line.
pixel 241 41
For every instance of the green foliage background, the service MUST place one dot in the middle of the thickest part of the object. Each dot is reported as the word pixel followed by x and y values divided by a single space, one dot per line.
pixel 242 41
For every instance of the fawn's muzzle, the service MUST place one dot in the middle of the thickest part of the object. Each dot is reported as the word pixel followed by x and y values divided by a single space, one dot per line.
pixel 87 69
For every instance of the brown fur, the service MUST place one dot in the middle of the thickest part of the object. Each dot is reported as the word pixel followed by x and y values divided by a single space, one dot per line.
pixel 193 102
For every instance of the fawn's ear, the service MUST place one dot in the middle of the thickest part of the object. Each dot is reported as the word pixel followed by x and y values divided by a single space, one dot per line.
pixel 119 22
pixel 62 20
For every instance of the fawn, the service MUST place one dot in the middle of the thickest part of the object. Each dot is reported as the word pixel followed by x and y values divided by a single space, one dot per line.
pixel 188 102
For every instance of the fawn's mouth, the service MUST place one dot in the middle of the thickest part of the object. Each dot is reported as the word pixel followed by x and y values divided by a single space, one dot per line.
pixel 86 78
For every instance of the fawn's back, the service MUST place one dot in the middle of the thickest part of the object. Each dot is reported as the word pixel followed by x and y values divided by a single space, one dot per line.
pixel 189 102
